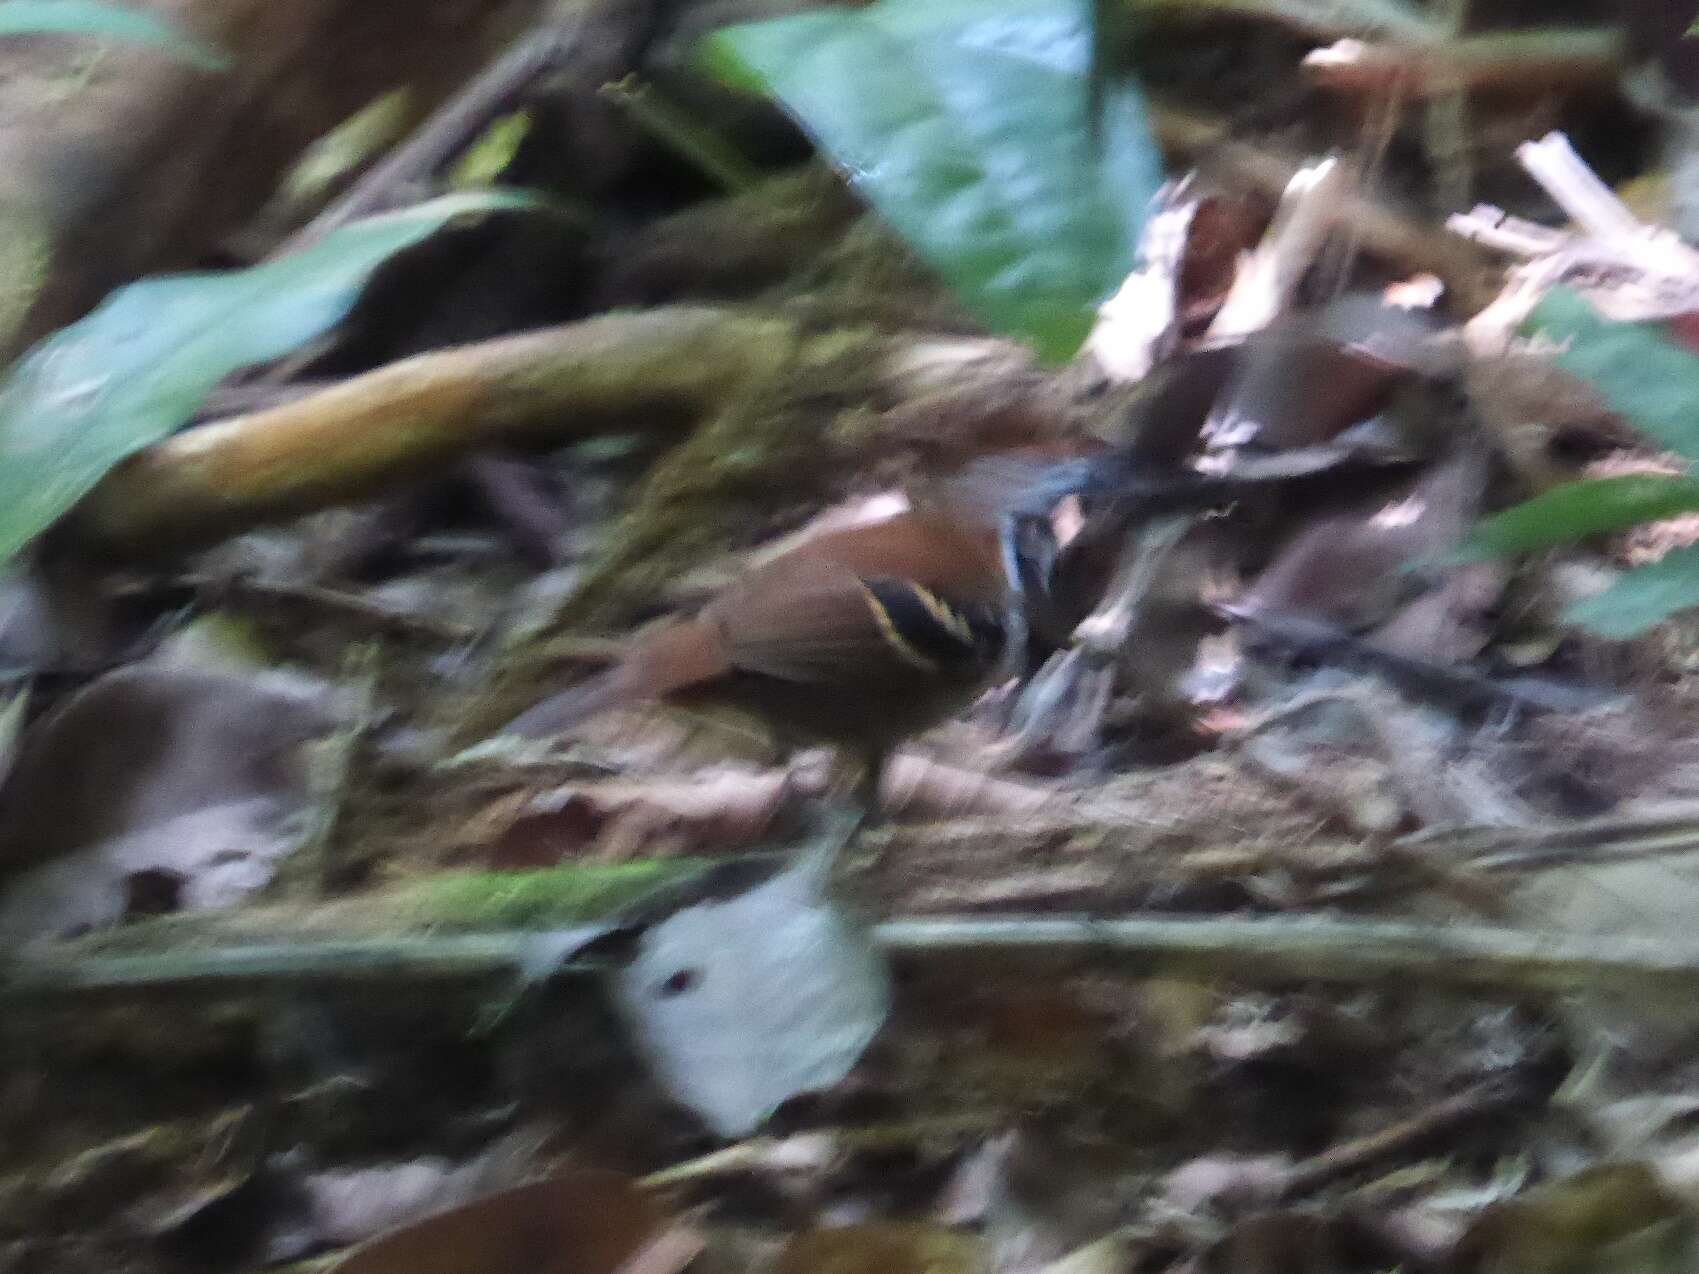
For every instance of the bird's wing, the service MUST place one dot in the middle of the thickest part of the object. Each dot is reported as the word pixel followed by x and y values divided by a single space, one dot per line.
pixel 834 625
pixel 822 626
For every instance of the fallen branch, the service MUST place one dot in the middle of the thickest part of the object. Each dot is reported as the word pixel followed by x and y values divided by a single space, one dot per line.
pixel 1648 272
pixel 1274 950
pixel 1595 841
pixel 1407 1136
pixel 1289 949
pixel 1528 62
pixel 661 369
pixel 394 180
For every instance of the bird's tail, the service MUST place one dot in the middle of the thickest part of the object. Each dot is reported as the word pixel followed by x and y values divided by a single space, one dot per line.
pixel 560 712
pixel 665 661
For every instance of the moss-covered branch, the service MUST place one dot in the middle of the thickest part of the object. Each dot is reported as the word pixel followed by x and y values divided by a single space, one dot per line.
pixel 660 369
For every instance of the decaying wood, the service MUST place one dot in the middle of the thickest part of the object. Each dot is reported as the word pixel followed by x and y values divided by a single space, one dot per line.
pixel 389 184
pixel 1530 62
pixel 1422 1129
pixel 421 934
pixel 664 370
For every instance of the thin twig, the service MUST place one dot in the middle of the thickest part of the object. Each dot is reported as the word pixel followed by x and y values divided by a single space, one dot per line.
pixel 1405 1137
pixel 1286 949
pixel 464 958
pixel 451 129
pixel 1320 19
pixel 717 159
pixel 1496 229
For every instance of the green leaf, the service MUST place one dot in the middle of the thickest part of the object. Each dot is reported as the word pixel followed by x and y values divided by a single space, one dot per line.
pixel 484 161
pixel 1576 510
pixel 86 17
pixel 1643 596
pixel 1643 376
pixel 965 124
pixel 136 368
pixel 372 129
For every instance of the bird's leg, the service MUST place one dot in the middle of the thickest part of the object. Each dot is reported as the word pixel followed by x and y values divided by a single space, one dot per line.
pixel 840 823
pixel 833 830
pixel 868 787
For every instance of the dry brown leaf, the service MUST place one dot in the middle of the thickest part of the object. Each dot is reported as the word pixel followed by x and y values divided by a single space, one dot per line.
pixel 889 1247
pixel 154 789
pixel 580 1222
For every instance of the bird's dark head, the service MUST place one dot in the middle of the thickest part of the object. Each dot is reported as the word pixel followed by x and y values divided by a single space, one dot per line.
pixel 996 487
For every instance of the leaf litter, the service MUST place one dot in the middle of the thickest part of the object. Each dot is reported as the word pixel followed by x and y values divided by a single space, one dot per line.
pixel 1302 702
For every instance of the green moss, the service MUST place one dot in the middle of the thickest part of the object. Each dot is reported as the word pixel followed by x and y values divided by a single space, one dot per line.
pixel 471 901
pixel 531 899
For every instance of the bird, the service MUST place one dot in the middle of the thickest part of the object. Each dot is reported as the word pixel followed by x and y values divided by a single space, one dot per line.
pixel 860 637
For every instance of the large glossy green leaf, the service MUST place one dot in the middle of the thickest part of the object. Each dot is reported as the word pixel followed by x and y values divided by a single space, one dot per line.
pixel 1576 510
pixel 1643 596
pixel 136 368
pixel 86 17
pixel 965 123
pixel 1643 376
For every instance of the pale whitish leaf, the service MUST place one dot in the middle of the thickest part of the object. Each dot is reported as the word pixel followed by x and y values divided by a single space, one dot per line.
pixel 738 1005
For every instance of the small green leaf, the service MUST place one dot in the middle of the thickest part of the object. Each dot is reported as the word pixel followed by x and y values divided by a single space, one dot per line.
pixel 965 123
pixel 486 159
pixel 137 367
pixel 1643 376
pixel 1642 597
pixel 86 17
pixel 1576 510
